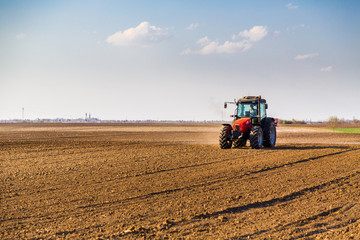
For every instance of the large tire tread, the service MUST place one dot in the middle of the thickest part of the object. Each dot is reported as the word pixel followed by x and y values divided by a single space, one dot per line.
pixel 224 140
pixel 256 137
pixel 269 129
pixel 240 142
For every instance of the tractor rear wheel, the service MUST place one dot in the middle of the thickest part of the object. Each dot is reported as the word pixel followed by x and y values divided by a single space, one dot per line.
pixel 241 141
pixel 256 137
pixel 225 137
pixel 269 133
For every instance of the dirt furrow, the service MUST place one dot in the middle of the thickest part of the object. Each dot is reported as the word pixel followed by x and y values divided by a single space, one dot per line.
pixel 201 184
pixel 207 183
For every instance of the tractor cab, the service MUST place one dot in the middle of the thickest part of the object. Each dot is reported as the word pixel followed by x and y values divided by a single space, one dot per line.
pixel 251 107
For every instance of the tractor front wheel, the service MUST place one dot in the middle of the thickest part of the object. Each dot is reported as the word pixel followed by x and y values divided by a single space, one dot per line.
pixel 225 137
pixel 256 137
pixel 241 141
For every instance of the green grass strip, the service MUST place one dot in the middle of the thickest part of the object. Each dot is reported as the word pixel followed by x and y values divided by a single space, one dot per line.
pixel 347 130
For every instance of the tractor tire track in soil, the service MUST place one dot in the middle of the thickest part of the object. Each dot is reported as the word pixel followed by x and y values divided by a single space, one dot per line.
pixel 217 180
pixel 116 181
pixel 168 191
pixel 278 200
pixel 206 184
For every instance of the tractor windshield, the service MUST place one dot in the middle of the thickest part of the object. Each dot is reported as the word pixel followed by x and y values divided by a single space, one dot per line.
pixel 247 110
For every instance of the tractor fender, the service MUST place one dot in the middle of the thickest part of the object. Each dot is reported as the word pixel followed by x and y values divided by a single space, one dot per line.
pixel 275 120
pixel 230 127
pixel 227 124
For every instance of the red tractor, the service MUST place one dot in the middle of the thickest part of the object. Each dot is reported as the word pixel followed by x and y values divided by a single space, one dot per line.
pixel 250 122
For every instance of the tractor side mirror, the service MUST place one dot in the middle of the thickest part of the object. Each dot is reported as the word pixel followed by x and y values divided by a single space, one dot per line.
pixel 266 106
pixel 225 105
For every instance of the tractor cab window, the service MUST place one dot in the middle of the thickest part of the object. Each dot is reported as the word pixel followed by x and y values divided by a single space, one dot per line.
pixel 262 110
pixel 247 110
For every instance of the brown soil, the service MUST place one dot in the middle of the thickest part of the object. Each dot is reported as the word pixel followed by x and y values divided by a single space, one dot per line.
pixel 158 181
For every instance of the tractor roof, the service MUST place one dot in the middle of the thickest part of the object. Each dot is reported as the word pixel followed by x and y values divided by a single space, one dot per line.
pixel 251 99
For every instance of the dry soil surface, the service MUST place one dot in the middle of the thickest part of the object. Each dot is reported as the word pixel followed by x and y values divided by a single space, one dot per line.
pixel 172 181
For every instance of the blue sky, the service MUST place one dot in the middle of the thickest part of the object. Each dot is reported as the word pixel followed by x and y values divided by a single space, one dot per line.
pixel 171 60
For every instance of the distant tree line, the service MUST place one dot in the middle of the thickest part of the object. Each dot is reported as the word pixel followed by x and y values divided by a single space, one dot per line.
pixel 332 122
pixel 335 122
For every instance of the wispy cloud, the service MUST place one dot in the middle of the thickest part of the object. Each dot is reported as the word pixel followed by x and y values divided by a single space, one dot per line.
pixel 213 46
pixel 295 27
pixel 144 34
pixel 291 6
pixel 192 26
pixel 326 69
pixel 299 26
pixel 186 52
pixel 20 36
pixel 241 42
pixel 306 56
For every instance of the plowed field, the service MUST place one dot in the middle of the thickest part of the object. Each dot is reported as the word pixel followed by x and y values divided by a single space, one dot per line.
pixel 159 181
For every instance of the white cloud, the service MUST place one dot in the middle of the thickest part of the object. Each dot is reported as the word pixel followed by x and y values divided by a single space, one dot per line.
pixel 326 69
pixel 291 6
pixel 254 34
pixel 204 41
pixel 243 44
pixel 306 56
pixel 192 26
pixel 20 36
pixel 144 34
pixel 211 47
